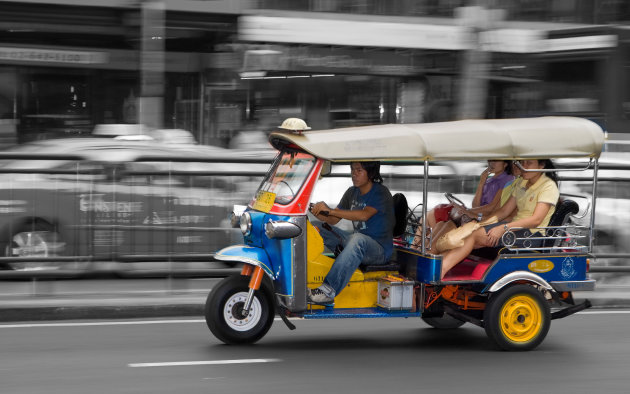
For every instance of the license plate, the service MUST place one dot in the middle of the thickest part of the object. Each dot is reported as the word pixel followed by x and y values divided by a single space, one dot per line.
pixel 264 201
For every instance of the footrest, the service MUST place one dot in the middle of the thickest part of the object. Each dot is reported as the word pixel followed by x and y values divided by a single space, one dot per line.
pixel 391 266
pixel 327 305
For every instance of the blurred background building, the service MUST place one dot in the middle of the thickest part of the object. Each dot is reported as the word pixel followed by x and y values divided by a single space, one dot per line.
pixel 218 68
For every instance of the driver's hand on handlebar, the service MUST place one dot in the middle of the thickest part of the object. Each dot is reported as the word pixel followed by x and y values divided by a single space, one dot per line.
pixel 320 208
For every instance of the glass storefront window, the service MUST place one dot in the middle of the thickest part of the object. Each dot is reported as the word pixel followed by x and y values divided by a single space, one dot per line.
pixel 54 105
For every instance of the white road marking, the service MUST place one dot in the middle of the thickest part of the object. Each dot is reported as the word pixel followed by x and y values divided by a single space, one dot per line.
pixel 108 323
pixel 603 312
pixel 101 323
pixel 209 362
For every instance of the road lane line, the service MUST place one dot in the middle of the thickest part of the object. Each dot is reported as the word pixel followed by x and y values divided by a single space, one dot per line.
pixel 210 362
pixel 102 323
pixel 109 323
pixel 603 312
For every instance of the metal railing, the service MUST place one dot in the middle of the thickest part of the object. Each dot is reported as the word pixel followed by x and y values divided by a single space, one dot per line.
pixel 220 181
pixel 159 209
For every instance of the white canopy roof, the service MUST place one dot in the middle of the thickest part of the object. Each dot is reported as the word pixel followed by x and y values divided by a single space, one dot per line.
pixel 508 139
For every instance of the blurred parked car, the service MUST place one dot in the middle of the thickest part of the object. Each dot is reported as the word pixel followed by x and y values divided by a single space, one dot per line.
pixel 612 210
pixel 106 204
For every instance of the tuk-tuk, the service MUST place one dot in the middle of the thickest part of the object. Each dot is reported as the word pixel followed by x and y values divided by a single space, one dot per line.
pixel 513 294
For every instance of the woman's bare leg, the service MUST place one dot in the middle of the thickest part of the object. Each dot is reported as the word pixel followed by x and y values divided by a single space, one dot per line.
pixel 455 256
pixel 431 221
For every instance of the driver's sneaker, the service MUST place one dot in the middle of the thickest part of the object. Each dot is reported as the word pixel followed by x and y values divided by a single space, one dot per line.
pixel 317 296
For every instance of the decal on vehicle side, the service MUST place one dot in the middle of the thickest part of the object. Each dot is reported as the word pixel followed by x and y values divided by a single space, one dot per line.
pixel 568 268
pixel 170 217
pixel 189 239
pixel 540 266
pixel 96 203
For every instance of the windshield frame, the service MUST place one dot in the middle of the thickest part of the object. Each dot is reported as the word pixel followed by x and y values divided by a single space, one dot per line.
pixel 291 171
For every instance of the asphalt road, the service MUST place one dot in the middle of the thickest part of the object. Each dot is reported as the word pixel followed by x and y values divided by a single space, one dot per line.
pixel 585 353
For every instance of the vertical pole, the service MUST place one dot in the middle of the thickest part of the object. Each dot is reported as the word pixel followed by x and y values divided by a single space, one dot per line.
pixel 425 201
pixel 151 101
pixel 594 198
pixel 201 107
pixel 473 87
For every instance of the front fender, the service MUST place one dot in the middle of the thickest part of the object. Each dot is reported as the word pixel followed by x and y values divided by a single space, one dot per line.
pixel 247 254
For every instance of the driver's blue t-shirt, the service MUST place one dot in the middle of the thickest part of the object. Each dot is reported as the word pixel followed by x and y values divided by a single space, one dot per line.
pixel 380 226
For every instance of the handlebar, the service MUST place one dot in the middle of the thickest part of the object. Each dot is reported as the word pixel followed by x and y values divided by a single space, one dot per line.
pixel 324 213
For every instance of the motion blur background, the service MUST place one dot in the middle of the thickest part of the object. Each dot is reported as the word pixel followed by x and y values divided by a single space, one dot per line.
pixel 220 67
pixel 207 80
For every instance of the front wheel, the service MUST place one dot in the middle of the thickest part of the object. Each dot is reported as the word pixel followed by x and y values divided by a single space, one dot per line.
pixel 224 311
pixel 517 318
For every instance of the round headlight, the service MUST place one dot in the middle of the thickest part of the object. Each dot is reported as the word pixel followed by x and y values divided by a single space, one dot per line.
pixel 246 223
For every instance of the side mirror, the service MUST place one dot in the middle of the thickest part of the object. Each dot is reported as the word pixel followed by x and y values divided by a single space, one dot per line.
pixel 326 168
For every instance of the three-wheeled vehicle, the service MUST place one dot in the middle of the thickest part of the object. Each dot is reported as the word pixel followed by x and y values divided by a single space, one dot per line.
pixel 513 294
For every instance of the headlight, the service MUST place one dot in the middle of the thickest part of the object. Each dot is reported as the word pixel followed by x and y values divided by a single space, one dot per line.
pixel 235 216
pixel 235 220
pixel 246 223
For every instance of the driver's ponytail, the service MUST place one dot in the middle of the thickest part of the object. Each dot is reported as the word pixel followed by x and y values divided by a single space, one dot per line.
pixel 373 169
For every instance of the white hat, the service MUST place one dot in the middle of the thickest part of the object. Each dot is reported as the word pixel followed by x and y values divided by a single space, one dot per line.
pixel 294 124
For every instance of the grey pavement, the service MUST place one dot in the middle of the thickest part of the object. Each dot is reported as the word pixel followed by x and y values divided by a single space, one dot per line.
pixel 102 298
pixel 27 300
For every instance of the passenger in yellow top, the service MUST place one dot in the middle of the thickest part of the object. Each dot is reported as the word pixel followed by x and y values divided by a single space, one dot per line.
pixel 534 199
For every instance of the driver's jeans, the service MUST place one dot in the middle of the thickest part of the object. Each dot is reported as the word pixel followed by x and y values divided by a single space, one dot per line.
pixel 357 248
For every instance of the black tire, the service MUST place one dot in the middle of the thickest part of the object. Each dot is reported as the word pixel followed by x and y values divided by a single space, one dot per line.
pixel 446 322
pixel 517 318
pixel 224 306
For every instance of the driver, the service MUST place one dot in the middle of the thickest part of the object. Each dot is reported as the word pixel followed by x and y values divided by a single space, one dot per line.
pixel 369 205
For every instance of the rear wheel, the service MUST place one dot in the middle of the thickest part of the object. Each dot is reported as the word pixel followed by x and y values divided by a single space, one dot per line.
pixel 517 318
pixel 224 311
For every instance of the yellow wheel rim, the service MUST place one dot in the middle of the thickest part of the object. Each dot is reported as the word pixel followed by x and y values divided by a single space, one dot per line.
pixel 521 318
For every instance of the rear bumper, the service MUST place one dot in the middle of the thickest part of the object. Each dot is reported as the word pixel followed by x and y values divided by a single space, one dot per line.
pixel 578 285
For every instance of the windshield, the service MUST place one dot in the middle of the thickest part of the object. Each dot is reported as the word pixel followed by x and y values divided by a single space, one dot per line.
pixel 284 180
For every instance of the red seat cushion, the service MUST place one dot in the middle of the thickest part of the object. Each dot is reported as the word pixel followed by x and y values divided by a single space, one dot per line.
pixel 468 270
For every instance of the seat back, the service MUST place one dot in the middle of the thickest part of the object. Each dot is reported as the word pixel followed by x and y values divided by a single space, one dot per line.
pixel 401 210
pixel 564 209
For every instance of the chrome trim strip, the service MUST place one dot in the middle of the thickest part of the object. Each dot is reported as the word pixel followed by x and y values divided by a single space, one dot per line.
pixel 516 276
